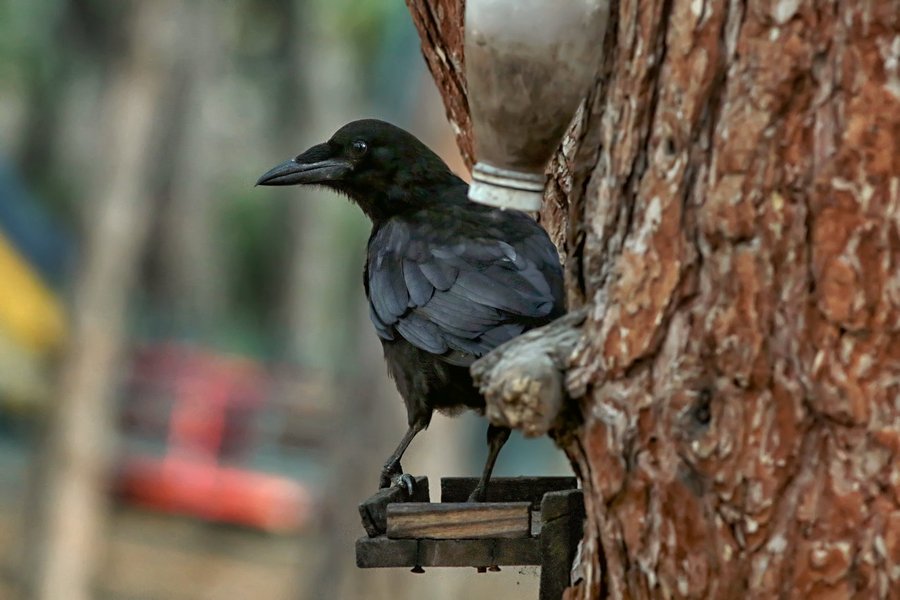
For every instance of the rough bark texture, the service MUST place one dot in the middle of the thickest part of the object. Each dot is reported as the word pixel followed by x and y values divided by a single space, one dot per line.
pixel 524 381
pixel 440 26
pixel 729 206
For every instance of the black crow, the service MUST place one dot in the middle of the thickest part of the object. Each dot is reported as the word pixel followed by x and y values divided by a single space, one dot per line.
pixel 447 279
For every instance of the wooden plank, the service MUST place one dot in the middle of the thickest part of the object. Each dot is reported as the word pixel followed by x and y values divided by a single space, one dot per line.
pixel 559 504
pixel 562 516
pixel 373 511
pixel 517 551
pixel 374 552
pixel 459 520
pixel 480 553
pixel 381 551
pixel 456 553
pixel 506 489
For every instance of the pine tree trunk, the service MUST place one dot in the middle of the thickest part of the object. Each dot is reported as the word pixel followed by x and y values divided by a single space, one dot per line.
pixel 728 204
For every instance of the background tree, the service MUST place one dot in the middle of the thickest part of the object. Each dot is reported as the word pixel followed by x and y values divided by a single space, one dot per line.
pixel 63 544
pixel 727 206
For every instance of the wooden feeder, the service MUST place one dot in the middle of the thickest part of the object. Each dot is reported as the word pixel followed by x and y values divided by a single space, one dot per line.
pixel 525 521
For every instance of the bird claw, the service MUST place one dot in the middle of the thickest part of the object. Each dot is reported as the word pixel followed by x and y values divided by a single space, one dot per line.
pixel 406 481
pixel 393 476
pixel 389 475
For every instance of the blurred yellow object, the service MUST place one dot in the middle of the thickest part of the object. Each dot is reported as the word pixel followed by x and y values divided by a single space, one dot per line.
pixel 30 312
pixel 24 378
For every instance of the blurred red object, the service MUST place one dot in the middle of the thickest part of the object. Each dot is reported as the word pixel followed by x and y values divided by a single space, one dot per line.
pixel 216 493
pixel 212 402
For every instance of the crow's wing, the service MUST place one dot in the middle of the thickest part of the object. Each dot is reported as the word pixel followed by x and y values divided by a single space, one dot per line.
pixel 459 298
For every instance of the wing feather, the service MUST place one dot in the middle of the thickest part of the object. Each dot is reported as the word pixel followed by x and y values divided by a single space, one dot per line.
pixel 460 299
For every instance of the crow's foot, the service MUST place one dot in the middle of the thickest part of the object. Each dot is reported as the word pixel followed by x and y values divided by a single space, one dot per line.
pixel 393 476
pixel 405 481
pixel 478 494
pixel 389 473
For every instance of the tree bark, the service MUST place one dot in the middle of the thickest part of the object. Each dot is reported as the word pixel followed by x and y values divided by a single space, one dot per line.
pixel 440 26
pixel 728 204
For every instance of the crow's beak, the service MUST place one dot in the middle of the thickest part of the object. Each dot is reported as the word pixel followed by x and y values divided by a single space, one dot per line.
pixel 300 171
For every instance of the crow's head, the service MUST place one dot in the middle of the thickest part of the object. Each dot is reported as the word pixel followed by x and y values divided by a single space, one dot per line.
pixel 381 167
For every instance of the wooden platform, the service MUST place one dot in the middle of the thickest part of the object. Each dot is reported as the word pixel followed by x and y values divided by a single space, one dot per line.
pixel 526 521
pixel 373 511
pixel 458 520
pixel 385 552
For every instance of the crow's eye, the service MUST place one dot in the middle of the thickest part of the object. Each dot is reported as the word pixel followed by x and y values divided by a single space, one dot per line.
pixel 358 148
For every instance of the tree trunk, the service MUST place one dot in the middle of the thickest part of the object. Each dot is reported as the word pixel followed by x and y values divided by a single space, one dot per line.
pixel 192 259
pixel 69 495
pixel 728 203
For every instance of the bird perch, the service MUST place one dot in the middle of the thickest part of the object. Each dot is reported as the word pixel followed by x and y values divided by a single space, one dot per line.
pixel 523 380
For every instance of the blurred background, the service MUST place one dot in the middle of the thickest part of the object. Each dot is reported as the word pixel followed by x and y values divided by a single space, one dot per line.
pixel 192 399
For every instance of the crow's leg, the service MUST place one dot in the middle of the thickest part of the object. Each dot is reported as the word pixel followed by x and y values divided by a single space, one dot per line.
pixel 496 437
pixel 392 473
